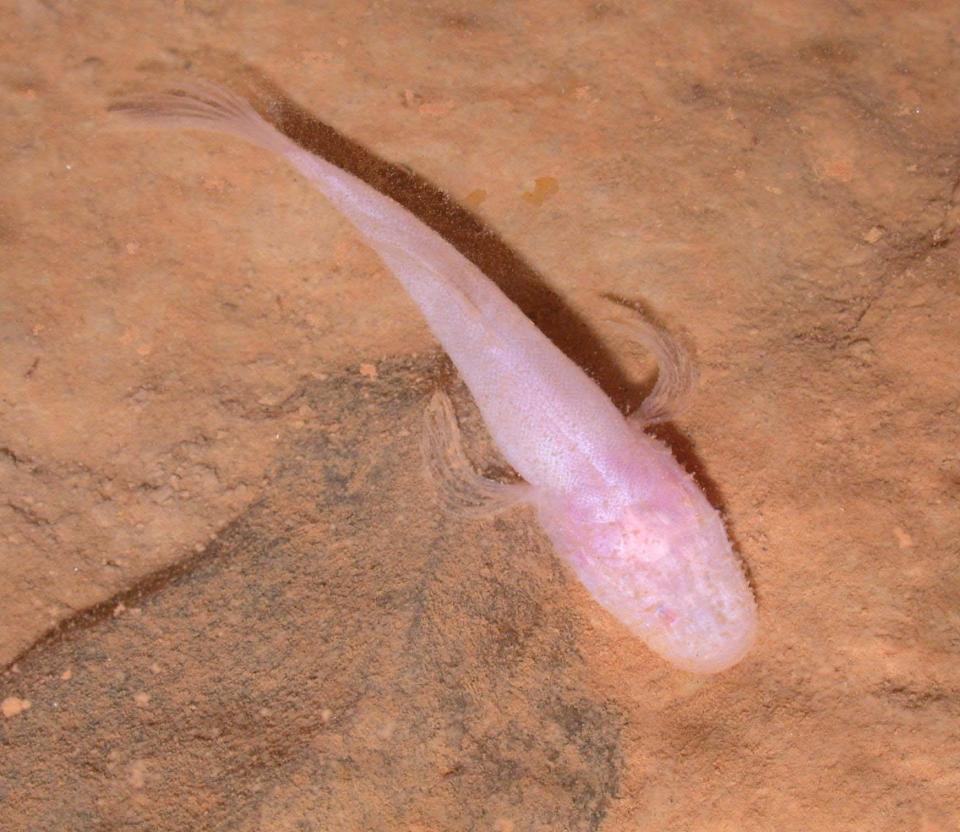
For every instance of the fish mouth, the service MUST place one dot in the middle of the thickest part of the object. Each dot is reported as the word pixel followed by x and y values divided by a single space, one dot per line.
pixel 712 655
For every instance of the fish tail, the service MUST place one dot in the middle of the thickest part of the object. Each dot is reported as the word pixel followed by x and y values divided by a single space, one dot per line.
pixel 203 105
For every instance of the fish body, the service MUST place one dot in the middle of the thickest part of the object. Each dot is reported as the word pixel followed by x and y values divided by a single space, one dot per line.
pixel 631 523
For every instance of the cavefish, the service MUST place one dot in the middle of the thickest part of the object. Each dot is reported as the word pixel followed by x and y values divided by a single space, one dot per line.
pixel 628 519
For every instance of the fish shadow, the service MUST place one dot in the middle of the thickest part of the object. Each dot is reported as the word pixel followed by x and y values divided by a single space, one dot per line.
pixel 466 232
pixel 513 275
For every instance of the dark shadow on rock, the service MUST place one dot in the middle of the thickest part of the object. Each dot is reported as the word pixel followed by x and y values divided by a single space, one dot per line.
pixel 341 657
pixel 462 229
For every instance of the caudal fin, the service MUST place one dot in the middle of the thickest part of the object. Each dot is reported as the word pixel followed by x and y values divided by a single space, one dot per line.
pixel 201 105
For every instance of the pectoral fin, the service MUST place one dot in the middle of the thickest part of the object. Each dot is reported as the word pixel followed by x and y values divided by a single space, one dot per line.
pixel 676 373
pixel 460 488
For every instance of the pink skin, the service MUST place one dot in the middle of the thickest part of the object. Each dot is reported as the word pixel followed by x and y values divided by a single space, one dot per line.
pixel 631 523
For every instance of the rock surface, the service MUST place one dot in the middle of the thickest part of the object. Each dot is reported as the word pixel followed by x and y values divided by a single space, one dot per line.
pixel 227 597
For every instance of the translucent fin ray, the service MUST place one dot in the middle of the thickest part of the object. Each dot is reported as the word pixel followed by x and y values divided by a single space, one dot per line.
pixel 460 488
pixel 676 373
pixel 204 106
